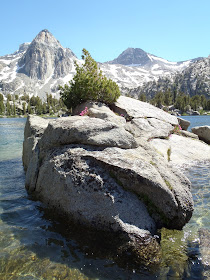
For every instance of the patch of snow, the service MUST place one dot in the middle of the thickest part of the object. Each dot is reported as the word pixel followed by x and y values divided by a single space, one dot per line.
pixel 186 63
pixel 4 74
pixel 143 70
pixel 8 74
pixel 150 57
pixel 163 60
pixel 157 72
pixel 5 61
pixel 12 77
pixel 155 66
pixel 10 59
pixel 52 85
pixel 67 78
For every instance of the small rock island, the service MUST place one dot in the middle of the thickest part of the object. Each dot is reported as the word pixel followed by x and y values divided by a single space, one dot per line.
pixel 114 170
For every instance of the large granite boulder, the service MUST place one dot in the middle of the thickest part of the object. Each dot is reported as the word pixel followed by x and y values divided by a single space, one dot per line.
pixel 143 119
pixel 203 133
pixel 149 128
pixel 86 130
pixel 104 175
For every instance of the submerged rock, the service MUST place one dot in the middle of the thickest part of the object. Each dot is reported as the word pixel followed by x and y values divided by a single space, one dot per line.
pixel 204 235
pixel 104 175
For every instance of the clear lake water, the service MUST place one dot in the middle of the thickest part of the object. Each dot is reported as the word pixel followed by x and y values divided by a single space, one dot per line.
pixel 35 246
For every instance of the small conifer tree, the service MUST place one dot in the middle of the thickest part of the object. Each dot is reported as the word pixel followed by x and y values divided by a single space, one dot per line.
pixel 88 84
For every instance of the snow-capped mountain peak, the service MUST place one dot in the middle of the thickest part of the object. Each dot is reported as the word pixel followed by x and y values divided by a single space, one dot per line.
pixel 37 68
pixel 133 67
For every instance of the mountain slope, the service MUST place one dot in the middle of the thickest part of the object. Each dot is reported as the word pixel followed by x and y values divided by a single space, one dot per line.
pixel 195 79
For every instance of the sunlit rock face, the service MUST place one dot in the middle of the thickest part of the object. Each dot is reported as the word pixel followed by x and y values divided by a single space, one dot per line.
pixel 45 57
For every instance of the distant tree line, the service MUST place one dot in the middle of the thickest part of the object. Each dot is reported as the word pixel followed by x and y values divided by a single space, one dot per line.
pixel 180 100
pixel 15 105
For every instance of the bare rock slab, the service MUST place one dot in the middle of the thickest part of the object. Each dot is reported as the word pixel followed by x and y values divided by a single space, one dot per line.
pixel 183 150
pixel 86 130
pixel 132 108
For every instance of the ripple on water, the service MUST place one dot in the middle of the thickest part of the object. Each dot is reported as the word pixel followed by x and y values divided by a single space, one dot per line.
pixel 182 255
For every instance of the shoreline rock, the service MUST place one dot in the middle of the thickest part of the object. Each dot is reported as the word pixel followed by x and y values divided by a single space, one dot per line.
pixel 203 133
pixel 183 123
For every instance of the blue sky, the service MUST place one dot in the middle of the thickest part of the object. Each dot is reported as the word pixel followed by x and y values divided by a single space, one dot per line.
pixel 175 30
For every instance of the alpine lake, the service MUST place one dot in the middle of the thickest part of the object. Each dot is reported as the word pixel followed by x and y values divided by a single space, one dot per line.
pixel 35 245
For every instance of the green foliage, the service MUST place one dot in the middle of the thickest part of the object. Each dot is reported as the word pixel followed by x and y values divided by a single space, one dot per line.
pixel 23 105
pixel 8 108
pixel 143 97
pixel 2 107
pixel 9 97
pixel 24 108
pixel 13 109
pixel 162 98
pixel 1 97
pixel 185 102
pixel 169 154
pixel 29 110
pixel 181 101
pixel 25 97
pixel 88 84
pixel 168 98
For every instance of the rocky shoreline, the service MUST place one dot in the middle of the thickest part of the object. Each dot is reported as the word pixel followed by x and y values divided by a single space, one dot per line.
pixel 113 171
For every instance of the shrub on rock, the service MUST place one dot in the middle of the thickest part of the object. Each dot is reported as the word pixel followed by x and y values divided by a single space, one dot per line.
pixel 88 84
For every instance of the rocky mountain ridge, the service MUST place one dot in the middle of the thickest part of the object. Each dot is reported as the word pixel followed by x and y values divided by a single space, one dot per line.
pixel 195 79
pixel 37 68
